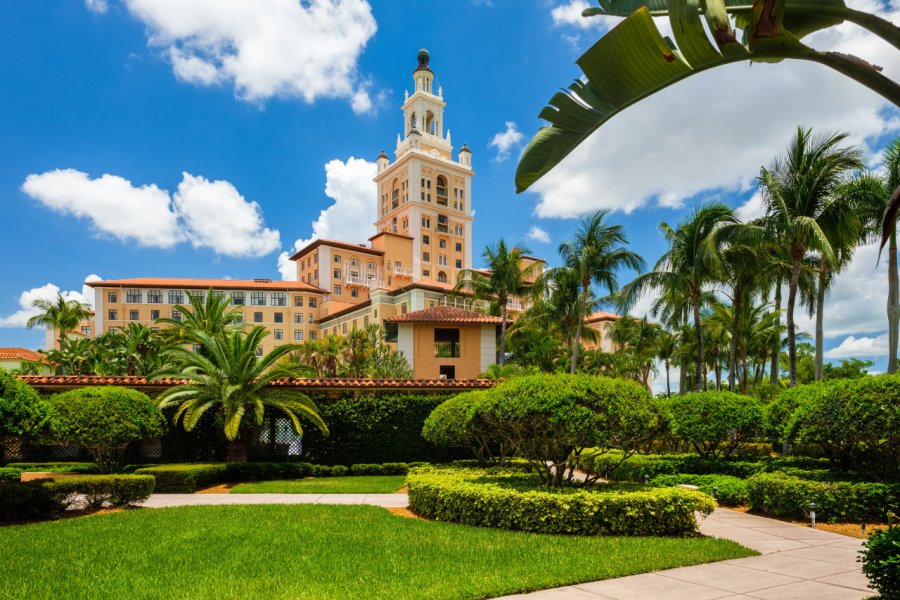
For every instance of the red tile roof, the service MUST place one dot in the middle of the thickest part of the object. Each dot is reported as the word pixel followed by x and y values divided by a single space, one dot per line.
pixel 335 244
pixel 223 284
pixel 603 316
pixel 21 354
pixel 399 235
pixel 444 314
pixel 69 381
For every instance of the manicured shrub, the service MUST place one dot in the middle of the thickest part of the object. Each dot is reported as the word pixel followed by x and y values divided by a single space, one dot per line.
pixel 384 469
pixel 714 423
pixel 547 419
pixel 781 495
pixel 98 491
pixel 23 412
pixel 881 562
pixel 264 471
pixel 481 497
pixel 184 479
pixel 105 420
pixel 780 411
pixel 10 474
pixel 728 490
pixel 855 421
pixel 339 470
pixel 27 502
pixel 459 423
pixel 55 467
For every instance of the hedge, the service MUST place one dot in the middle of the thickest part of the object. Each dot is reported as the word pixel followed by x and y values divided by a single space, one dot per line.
pixel 728 490
pixel 184 479
pixel 97 491
pixel 27 502
pixel 56 467
pixel 480 497
pixel 10 474
pixel 782 495
pixel 715 423
pixel 881 562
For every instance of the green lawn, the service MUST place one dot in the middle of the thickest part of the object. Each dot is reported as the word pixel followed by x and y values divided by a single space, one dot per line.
pixel 311 552
pixel 359 484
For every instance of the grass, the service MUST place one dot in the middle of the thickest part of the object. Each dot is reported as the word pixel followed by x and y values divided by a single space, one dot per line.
pixel 312 552
pixel 358 484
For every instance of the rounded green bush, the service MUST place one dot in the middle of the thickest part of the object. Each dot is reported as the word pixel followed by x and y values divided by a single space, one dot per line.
pixel 104 420
pixel 881 562
pixel 726 489
pixel 458 422
pixel 22 411
pixel 10 475
pixel 714 423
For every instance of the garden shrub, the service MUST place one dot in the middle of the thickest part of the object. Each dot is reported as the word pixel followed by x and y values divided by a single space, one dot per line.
pixel 881 562
pixel 184 479
pixel 23 412
pixel 497 498
pixel 458 422
pixel 728 490
pixel 97 491
pixel 27 501
pixel 548 419
pixel 780 411
pixel 781 495
pixel 55 467
pixel 715 423
pixel 337 470
pixel 855 421
pixel 384 469
pixel 10 474
pixel 105 420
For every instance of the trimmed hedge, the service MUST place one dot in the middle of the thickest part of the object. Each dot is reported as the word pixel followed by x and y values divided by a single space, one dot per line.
pixel 184 479
pixel 56 467
pixel 881 562
pixel 10 475
pixel 785 496
pixel 97 491
pixel 715 423
pixel 27 502
pixel 480 497
pixel 730 491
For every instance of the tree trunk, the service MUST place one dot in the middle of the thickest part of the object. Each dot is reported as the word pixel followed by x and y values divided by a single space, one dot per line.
pixel 698 363
pixel 820 321
pixel 682 379
pixel 776 351
pixel 893 307
pixel 501 360
pixel 575 343
pixel 792 300
pixel 732 350
pixel 668 387
pixel 237 451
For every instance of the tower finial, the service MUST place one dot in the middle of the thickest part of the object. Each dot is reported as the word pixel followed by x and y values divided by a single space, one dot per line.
pixel 424 58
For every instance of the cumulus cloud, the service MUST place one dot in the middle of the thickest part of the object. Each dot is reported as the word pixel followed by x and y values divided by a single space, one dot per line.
pixel 265 48
pixel 351 216
pixel 569 13
pixel 208 214
pixel 97 6
pixel 752 208
pixel 860 346
pixel 506 140
pixel 536 234
pixel 48 291
pixel 698 146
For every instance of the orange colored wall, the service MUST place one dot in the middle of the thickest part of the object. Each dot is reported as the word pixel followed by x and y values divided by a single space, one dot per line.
pixel 427 365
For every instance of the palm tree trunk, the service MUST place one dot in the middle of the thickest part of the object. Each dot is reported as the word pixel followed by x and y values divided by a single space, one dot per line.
pixel 699 362
pixel 820 321
pixel 718 369
pixel 776 350
pixel 237 451
pixel 501 360
pixel 668 387
pixel 682 379
pixel 792 338
pixel 893 307
pixel 732 350
pixel 577 340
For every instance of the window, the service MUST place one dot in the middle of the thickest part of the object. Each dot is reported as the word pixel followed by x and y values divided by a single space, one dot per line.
pixel 257 298
pixel 199 295
pixel 133 315
pixel 259 350
pixel 442 277
pixel 458 247
pixel 337 258
pixel 86 331
pixel 154 315
pixel 446 343
pixel 237 298
pixel 113 315
pixel 298 317
pixel 298 335
pixel 426 257
pixel 442 223
pixel 457 230
pixel 426 273
pixel 312 302
pixel 176 315
pixel 426 222
pixel 442 260
pixel 298 301
pixel 354 324
pixel 154 296
pixel 426 240
pixel 344 327
pixel 279 298
pixel 112 297
pixel 279 334
pixel 279 317
pixel 312 335
pixel 403 308
pixel 239 318
pixel 176 297
pixel 371 265
pixel 442 243
pixel 337 274
pixel 354 293
pixel 217 294
pixel 447 372
pixel 257 317
pixel 337 290
pixel 310 317
pixel 354 262
pixel 458 264
pixel 366 321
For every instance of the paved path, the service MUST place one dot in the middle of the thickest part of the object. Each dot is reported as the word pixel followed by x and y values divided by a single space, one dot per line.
pixel 795 562
pixel 167 500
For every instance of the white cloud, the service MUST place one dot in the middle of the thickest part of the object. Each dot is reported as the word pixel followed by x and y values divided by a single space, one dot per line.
pixel 351 216
pixel 536 234
pixel 698 145
pixel 753 208
pixel 506 140
pixel 659 380
pixel 265 48
pixel 208 214
pixel 860 346
pixel 47 291
pixel 97 6
pixel 570 14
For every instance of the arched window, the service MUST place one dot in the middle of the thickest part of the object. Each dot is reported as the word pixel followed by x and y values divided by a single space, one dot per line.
pixel 430 123
pixel 395 193
pixel 442 277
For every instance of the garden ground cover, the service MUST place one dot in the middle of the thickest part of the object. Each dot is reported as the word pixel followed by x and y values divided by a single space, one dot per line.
pixel 358 484
pixel 313 552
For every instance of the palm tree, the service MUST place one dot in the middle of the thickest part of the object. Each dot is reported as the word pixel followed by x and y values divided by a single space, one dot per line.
pixel 504 279
pixel 688 268
pixel 595 255
pixel 208 313
pixel 798 191
pixel 227 375
pixel 61 314
pixel 666 348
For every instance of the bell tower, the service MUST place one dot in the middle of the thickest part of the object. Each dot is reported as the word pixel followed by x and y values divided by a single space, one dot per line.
pixel 424 193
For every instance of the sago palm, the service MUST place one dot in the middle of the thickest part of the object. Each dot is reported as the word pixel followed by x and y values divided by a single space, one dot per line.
pixel 207 313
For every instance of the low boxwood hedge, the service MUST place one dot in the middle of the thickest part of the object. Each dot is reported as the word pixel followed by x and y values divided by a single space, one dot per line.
pixel 98 491
pixel 184 479
pixel 55 467
pixel 10 474
pixel 27 502
pixel 508 499
pixel 728 490
pixel 786 496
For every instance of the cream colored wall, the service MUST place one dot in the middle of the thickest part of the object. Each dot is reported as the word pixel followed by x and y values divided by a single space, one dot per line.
pixel 15 365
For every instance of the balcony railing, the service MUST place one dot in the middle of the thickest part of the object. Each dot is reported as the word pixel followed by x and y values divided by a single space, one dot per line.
pixel 402 271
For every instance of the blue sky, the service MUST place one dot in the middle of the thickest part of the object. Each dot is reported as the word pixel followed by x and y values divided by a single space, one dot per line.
pixel 150 127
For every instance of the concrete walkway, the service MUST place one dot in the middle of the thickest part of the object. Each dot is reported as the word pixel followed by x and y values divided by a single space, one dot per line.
pixel 169 500
pixel 795 562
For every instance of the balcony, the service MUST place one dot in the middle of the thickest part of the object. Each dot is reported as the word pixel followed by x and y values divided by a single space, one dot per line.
pixel 402 271
pixel 365 282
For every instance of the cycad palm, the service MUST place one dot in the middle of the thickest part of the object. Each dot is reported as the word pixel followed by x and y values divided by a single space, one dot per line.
pixel 227 375
pixel 207 313
pixel 61 314
pixel 798 192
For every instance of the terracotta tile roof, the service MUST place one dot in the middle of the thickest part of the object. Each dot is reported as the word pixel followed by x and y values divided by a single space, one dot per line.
pixel 222 284
pixel 21 354
pixel 603 316
pixel 444 314
pixel 64 381
pixel 335 244
pixel 399 235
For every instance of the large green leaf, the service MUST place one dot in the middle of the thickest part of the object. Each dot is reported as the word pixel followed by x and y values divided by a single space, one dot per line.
pixel 633 61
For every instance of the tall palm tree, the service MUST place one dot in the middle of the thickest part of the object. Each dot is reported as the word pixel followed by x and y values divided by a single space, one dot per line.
pixel 61 314
pixel 688 268
pixel 207 312
pixel 595 255
pixel 504 278
pixel 227 375
pixel 798 192
pixel 666 349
